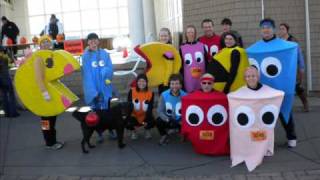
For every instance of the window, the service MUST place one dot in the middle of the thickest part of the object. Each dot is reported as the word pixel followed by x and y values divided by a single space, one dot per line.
pixel 108 18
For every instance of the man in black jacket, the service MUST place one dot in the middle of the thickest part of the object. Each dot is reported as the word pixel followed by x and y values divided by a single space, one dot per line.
pixel 10 30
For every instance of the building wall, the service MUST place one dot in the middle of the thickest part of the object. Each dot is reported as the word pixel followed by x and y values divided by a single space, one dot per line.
pixel 246 15
pixel 16 12
pixel 314 6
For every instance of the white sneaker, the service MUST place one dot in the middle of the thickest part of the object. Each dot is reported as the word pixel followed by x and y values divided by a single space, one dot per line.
pixel 147 134
pixel 134 135
pixel 57 146
pixel 292 143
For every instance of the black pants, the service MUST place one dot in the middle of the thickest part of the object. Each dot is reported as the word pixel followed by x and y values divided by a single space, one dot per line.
pixel 133 122
pixel 163 126
pixel 48 129
pixel 289 127
pixel 8 97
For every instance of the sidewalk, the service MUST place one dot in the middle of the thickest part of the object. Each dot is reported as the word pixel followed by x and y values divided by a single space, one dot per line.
pixel 23 156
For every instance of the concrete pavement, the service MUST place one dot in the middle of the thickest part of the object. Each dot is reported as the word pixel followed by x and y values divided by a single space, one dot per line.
pixel 23 156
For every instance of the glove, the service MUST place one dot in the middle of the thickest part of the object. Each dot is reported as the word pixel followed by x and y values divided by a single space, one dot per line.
pixel 107 81
pixel 46 95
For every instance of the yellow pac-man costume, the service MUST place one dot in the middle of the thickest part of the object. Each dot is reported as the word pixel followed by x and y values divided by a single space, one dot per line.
pixel 228 68
pixel 40 74
pixel 162 61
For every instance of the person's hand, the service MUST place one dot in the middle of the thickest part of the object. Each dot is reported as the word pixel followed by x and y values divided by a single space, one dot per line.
pixel 46 95
pixel 107 81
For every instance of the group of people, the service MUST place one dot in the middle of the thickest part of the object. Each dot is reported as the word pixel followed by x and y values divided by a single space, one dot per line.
pixel 209 63
pixel 203 51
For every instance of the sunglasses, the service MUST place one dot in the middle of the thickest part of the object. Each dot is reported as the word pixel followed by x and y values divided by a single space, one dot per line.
pixel 206 82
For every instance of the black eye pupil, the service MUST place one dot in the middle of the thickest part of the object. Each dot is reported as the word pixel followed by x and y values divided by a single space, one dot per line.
pixel 49 62
pixel 268 118
pixel 217 118
pixel 198 59
pixel 136 100
pixel 213 53
pixel 169 111
pixel 272 70
pixel 188 62
pixel 146 102
pixel 194 118
pixel 243 119
pixel 179 111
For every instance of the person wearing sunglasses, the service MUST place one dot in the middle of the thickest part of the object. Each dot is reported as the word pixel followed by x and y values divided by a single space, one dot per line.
pixel 206 82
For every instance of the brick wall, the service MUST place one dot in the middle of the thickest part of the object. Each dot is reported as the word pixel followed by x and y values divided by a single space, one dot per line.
pixel 314 6
pixel 246 15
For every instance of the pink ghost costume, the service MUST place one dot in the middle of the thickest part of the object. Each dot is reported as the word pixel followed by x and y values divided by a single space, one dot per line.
pixel 253 116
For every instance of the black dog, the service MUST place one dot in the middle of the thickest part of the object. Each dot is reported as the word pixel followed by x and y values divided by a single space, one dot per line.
pixel 109 119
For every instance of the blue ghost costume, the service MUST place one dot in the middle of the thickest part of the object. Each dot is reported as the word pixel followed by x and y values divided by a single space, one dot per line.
pixel 276 61
pixel 97 70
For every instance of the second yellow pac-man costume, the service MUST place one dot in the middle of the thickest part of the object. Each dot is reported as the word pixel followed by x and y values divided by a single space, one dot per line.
pixel 228 68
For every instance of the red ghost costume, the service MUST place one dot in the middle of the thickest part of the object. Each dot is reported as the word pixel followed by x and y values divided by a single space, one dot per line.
pixel 205 122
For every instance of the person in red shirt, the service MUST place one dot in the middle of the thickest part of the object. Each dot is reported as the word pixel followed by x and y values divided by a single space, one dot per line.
pixel 210 39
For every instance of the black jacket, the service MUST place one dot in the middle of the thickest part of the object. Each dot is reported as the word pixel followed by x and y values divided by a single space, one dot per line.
pixel 11 30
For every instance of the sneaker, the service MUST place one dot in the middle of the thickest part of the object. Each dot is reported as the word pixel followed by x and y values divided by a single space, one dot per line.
pixel 147 134
pixel 292 143
pixel 56 146
pixel 112 135
pixel 164 140
pixel 134 135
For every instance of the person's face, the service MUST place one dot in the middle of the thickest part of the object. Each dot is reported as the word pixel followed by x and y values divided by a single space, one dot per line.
pixel 283 31
pixel 206 86
pixel 207 28
pixel 164 37
pixel 142 84
pixel 267 32
pixel 45 45
pixel 93 44
pixel 229 41
pixel 226 27
pixel 190 33
pixel 252 77
pixel 175 86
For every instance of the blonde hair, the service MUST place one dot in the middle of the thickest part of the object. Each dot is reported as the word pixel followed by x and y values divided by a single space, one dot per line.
pixel 44 38
pixel 167 30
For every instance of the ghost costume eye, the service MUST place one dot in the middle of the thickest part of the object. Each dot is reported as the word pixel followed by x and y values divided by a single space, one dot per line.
pixel 94 64
pixel 145 105
pixel 244 117
pixel 101 63
pixel 217 115
pixel 254 62
pixel 269 115
pixel 169 109
pixel 178 109
pixel 271 67
pixel 199 57
pixel 194 115
pixel 136 104
pixel 188 59
pixel 214 50
pixel 206 48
